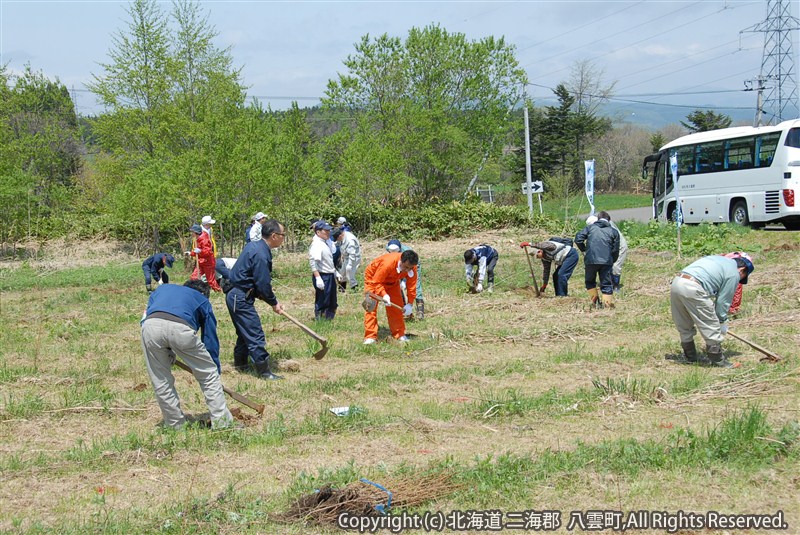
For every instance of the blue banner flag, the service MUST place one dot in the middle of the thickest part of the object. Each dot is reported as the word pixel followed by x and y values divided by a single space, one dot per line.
pixel 589 167
pixel 673 166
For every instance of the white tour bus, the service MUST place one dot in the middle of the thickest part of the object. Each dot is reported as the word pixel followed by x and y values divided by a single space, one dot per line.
pixel 745 175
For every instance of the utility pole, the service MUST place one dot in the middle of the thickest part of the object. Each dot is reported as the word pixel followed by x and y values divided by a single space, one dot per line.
pixel 529 185
pixel 777 63
pixel 759 100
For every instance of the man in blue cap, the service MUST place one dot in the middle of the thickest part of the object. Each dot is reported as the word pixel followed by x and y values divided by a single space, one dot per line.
pixel 700 297
pixel 153 268
pixel 394 246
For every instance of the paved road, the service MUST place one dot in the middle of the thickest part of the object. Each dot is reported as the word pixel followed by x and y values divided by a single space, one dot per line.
pixel 641 215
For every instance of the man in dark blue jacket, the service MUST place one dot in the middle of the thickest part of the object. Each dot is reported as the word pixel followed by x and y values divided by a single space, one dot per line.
pixel 599 242
pixel 154 267
pixel 251 278
pixel 484 257
pixel 173 317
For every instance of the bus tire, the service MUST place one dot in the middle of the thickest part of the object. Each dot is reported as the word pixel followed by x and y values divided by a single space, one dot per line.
pixel 739 214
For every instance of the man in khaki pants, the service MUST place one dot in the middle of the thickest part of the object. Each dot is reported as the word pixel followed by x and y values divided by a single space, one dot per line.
pixel 172 320
pixel 700 296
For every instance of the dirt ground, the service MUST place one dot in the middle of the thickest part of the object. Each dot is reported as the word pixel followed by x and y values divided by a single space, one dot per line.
pixel 80 446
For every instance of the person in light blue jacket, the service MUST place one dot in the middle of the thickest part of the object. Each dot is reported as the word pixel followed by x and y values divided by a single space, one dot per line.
pixel 700 296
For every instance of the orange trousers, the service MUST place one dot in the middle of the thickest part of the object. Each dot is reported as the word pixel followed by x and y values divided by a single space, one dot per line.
pixel 397 324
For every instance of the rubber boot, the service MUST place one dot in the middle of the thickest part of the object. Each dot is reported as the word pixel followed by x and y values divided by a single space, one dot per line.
pixel 149 287
pixel 593 296
pixel 262 370
pixel 241 362
pixel 716 356
pixel 689 351
pixel 608 301
pixel 420 309
pixel 615 282
pixel 490 288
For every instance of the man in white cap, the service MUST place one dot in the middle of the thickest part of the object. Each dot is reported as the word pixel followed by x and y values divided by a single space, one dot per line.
pixel 254 232
pixel 206 223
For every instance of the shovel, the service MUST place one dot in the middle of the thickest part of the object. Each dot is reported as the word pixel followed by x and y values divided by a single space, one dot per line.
pixel 530 265
pixel 769 355
pixel 244 400
pixel 321 339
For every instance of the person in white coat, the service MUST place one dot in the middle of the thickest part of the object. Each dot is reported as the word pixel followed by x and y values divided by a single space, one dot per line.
pixel 350 248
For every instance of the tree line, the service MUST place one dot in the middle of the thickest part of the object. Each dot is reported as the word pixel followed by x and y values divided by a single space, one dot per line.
pixel 410 122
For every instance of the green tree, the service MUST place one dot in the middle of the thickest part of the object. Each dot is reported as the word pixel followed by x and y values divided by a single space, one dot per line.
pixel 427 111
pixel 657 141
pixel 703 121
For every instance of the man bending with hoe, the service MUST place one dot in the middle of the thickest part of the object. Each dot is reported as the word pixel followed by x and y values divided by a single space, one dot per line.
pixel 699 297
pixel 382 278
pixel 173 317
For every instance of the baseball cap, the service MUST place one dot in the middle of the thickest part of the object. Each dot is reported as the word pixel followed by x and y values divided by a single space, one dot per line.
pixel 393 246
pixel 748 269
pixel 207 220
pixel 322 225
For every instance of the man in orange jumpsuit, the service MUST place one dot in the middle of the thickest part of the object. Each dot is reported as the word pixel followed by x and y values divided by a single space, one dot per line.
pixel 206 263
pixel 382 277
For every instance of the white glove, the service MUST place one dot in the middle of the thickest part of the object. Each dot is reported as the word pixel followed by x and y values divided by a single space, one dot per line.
pixel 479 288
pixel 339 276
pixel 723 328
pixel 196 250
pixel 407 310
pixel 160 282
pixel 387 300
pixel 319 283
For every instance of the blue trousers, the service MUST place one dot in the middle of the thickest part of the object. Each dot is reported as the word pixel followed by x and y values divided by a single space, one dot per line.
pixel 563 272
pixel 156 275
pixel 592 271
pixel 325 301
pixel 250 338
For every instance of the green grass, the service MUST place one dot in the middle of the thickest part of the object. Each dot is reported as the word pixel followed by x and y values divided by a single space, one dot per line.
pixel 530 402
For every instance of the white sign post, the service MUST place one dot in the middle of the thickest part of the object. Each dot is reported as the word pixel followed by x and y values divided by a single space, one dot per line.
pixel 537 187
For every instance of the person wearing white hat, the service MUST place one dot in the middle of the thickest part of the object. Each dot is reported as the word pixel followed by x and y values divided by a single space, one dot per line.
pixel 343 224
pixel 254 232
pixel 206 223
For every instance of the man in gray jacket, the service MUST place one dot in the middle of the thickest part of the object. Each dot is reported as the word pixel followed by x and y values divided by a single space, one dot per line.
pixel 599 243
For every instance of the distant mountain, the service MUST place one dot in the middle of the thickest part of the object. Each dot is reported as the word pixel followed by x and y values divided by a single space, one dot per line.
pixel 655 117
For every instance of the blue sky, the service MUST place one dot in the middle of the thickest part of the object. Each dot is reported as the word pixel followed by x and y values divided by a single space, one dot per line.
pixel 291 49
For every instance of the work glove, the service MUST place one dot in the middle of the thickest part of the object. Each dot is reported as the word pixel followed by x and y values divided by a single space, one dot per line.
pixel 479 288
pixel 196 250
pixel 339 277
pixel 160 282
pixel 723 329
pixel 543 288
pixel 387 300
pixel 319 283
pixel 525 244
pixel 469 281
pixel 408 310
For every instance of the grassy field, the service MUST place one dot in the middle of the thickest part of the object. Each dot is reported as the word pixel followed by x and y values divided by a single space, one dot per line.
pixel 527 404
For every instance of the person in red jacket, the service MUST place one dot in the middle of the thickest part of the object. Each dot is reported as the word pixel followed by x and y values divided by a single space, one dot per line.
pixel 382 278
pixel 206 263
